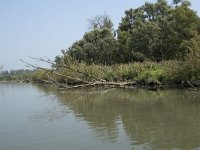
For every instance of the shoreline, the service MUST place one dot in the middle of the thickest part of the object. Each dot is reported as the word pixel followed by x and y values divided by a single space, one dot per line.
pixel 152 86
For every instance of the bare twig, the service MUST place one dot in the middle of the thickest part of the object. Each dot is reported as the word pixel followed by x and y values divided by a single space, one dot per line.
pixel 67 67
pixel 52 71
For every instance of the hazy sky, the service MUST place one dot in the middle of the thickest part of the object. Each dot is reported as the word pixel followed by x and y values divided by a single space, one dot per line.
pixel 41 28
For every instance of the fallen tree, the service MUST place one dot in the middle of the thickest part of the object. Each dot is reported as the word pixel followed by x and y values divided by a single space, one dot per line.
pixel 75 82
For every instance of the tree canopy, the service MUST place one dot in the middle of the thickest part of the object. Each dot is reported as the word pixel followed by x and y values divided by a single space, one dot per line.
pixel 154 31
pixel 158 30
pixel 97 46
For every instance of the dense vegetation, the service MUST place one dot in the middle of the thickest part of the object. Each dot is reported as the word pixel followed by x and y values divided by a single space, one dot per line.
pixel 153 32
pixel 156 41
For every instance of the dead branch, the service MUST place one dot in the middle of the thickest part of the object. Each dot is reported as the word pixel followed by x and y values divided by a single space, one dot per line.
pixel 52 71
pixel 67 67
pixel 110 84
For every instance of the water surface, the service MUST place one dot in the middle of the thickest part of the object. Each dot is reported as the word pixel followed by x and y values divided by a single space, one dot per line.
pixel 43 118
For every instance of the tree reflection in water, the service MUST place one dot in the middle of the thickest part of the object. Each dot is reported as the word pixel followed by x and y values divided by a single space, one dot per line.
pixel 166 119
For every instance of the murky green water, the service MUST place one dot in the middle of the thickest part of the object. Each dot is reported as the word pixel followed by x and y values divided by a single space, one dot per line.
pixel 40 118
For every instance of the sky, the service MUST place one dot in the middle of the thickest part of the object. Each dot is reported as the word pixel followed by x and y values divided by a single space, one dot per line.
pixel 41 28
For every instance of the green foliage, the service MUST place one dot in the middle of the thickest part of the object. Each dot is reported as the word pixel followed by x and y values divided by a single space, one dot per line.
pixel 188 70
pixel 42 75
pixel 97 46
pixel 154 32
pixel 7 78
pixel 166 72
pixel 158 30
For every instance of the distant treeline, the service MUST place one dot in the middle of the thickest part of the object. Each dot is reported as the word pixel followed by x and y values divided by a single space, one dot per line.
pixel 20 74
pixel 15 72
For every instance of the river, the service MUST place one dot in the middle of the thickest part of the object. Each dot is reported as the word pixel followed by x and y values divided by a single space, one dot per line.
pixel 36 117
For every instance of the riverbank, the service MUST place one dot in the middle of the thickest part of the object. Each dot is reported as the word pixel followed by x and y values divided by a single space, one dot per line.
pixel 146 74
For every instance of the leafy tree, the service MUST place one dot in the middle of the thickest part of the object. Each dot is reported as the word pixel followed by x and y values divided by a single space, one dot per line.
pixel 158 30
pixel 140 29
pixel 155 31
pixel 182 27
pixel 97 46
